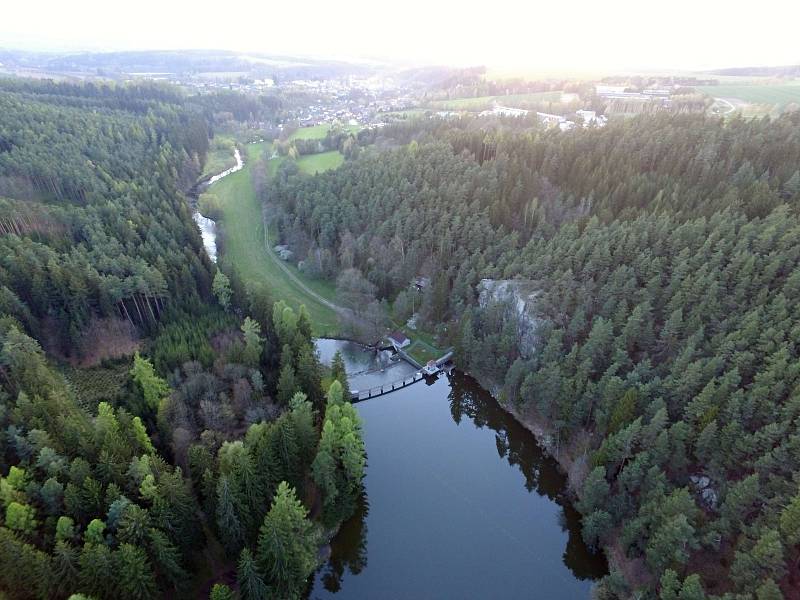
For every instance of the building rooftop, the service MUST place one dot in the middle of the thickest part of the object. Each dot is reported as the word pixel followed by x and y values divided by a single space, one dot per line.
pixel 398 337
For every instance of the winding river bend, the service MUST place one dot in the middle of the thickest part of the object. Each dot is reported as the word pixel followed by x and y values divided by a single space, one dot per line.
pixel 459 502
pixel 208 228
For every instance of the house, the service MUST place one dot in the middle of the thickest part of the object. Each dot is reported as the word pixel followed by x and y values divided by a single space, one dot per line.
pixel 398 340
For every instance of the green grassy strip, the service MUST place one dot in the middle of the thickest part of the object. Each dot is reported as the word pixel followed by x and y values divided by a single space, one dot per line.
pixel 244 242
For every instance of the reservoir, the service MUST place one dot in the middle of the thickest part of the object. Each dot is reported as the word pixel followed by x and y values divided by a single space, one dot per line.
pixel 459 502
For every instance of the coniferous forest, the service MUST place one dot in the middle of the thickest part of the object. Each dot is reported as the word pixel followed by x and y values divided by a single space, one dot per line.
pixel 190 464
pixel 664 254
pixel 166 427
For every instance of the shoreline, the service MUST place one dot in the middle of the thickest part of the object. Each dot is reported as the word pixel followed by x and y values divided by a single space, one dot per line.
pixel 571 459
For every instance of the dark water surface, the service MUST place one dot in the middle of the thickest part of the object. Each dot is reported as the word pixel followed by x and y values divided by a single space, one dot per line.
pixel 459 502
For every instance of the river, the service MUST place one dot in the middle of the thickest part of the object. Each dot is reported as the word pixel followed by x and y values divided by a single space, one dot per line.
pixel 208 228
pixel 459 502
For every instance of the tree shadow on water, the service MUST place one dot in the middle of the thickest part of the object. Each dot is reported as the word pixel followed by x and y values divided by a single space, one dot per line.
pixel 348 548
pixel 542 474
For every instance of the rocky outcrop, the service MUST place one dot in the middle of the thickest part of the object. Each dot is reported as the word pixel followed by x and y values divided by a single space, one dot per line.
pixel 522 298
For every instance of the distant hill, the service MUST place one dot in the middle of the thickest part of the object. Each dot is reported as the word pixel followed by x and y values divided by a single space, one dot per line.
pixel 786 71
pixel 182 63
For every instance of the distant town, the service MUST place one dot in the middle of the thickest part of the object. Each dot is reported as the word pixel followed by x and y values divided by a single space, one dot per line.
pixel 367 95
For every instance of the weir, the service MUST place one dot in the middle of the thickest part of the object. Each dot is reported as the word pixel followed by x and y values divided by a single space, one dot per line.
pixel 387 388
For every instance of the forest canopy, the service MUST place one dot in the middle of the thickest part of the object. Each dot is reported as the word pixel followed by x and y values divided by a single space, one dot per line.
pixel 664 254
pixel 213 452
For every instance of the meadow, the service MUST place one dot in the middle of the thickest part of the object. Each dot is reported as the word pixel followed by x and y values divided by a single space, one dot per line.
pixel 317 163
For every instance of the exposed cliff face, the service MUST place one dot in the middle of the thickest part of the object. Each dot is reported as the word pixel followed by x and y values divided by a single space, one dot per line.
pixel 521 296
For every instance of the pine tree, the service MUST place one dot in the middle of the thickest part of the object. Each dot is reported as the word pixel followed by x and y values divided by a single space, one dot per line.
pixel 594 492
pixel 308 375
pixel 671 543
pixel 790 522
pixel 302 415
pixel 335 394
pixel 21 517
pixel 94 532
pixel 284 451
pixel 352 447
pixel 65 529
pixel 324 466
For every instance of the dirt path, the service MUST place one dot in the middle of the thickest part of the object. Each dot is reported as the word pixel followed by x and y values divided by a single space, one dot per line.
pixel 340 310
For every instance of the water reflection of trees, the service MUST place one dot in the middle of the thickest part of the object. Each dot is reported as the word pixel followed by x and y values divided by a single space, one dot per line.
pixel 542 475
pixel 348 548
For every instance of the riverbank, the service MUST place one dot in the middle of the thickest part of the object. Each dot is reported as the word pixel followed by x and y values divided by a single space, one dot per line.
pixel 573 458
pixel 207 226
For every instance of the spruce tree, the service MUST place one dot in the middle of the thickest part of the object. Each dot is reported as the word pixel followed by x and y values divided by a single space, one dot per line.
pixel 287 384
pixel 220 591
pixel 228 523
pixel 287 544
pixel 339 371
pixel 251 582
pixel 134 575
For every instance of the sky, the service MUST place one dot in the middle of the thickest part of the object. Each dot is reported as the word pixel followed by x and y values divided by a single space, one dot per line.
pixel 525 35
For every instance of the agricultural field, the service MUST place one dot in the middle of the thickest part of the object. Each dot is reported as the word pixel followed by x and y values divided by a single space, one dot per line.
pixel 486 102
pixel 318 163
pixel 777 95
pixel 245 246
